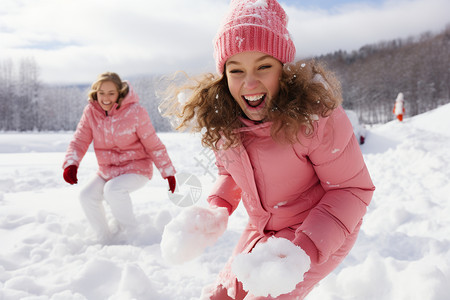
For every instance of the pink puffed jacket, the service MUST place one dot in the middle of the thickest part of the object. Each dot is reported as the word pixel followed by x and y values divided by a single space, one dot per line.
pixel 314 193
pixel 124 140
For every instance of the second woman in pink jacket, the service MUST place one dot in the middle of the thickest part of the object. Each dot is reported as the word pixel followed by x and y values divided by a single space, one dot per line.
pixel 126 147
pixel 285 148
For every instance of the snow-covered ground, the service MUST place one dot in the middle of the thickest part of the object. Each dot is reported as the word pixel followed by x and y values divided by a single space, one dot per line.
pixel 47 250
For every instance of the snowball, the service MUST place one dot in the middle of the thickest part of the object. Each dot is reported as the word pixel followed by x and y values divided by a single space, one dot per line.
pixel 194 229
pixel 272 268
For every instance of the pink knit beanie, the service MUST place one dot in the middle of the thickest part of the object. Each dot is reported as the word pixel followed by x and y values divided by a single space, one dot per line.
pixel 253 25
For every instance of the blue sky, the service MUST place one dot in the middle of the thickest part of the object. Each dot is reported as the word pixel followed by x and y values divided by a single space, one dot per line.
pixel 74 40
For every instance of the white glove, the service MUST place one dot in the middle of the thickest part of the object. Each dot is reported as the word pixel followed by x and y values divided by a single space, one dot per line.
pixel 194 229
pixel 272 268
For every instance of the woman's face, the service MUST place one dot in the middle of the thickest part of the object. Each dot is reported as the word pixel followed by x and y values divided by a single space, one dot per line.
pixel 253 81
pixel 107 95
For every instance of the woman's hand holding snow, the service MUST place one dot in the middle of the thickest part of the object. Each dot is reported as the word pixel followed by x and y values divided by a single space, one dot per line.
pixel 194 229
pixel 272 268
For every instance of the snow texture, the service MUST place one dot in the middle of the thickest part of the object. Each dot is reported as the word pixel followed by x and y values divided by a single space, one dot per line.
pixel 272 268
pixel 48 251
pixel 194 229
pixel 259 4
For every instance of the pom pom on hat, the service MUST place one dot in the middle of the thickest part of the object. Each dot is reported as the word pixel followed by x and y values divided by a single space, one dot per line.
pixel 253 25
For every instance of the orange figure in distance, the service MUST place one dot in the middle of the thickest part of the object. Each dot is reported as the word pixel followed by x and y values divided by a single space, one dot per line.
pixel 399 108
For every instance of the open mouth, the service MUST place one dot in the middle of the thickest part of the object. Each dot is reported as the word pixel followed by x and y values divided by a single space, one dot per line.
pixel 254 100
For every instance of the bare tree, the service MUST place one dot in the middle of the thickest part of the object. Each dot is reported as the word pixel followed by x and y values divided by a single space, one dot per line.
pixel 373 76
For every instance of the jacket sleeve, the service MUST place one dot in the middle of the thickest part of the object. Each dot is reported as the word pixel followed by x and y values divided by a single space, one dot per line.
pixel 153 145
pixel 225 192
pixel 80 142
pixel 340 167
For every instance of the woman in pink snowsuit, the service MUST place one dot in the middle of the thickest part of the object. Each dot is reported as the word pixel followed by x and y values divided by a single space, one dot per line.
pixel 126 146
pixel 284 146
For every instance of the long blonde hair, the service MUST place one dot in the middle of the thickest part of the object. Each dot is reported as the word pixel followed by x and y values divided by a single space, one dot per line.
pixel 122 86
pixel 307 91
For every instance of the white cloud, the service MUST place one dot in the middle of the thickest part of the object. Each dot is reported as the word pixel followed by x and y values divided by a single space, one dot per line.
pixel 74 40
pixel 355 25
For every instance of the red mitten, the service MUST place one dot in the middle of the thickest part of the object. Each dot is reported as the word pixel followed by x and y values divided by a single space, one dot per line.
pixel 70 174
pixel 172 183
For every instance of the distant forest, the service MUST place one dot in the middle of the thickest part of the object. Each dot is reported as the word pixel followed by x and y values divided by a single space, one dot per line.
pixel 371 78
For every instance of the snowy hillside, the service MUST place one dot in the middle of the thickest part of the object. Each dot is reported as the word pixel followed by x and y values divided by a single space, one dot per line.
pixel 48 251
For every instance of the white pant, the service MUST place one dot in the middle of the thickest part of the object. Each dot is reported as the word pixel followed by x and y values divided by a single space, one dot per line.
pixel 116 193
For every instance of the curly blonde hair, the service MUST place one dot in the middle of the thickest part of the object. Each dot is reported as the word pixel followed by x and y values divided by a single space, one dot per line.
pixel 122 86
pixel 307 91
